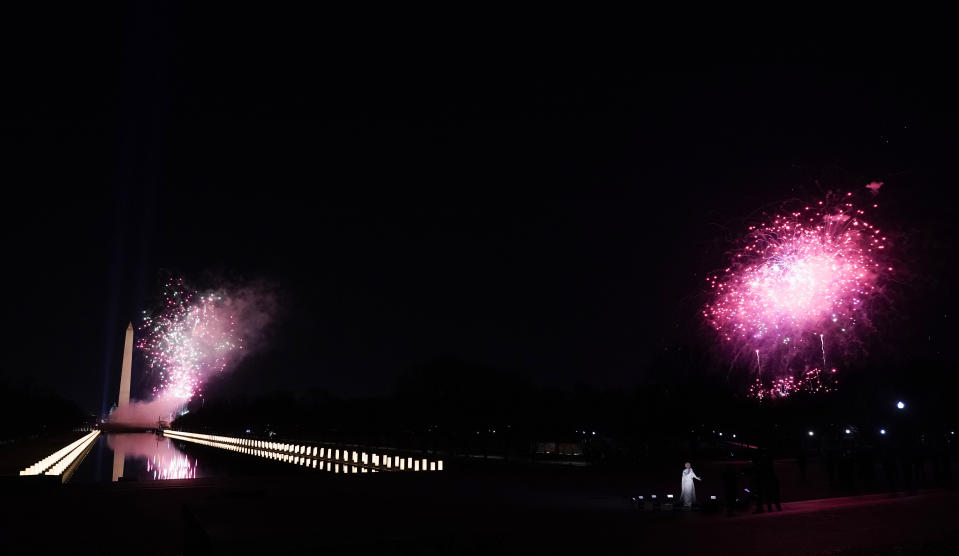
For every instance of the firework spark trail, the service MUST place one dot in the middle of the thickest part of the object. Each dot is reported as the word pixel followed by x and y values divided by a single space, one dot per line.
pixel 808 271
pixel 822 342
pixel 191 338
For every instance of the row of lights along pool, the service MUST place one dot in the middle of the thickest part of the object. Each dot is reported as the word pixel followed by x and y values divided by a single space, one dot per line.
pixel 316 457
pixel 58 462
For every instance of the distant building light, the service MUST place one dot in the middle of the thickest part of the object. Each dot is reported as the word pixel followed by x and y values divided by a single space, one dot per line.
pixel 882 431
pixel 734 436
pixel 811 433
pixel 901 405
pixel 848 431
pixel 720 434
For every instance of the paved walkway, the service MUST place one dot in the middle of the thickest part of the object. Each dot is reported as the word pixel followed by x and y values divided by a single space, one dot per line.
pixel 449 513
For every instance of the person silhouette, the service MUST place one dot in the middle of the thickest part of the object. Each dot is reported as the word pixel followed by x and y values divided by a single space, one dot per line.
pixel 730 488
pixel 770 483
pixel 689 490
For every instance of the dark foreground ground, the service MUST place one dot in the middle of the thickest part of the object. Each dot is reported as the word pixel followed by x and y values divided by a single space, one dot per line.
pixel 460 511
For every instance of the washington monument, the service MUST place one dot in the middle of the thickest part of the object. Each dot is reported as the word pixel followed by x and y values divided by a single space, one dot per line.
pixel 125 369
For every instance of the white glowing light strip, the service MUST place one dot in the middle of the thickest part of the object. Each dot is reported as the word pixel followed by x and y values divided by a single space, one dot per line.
pixel 59 468
pixel 290 453
pixel 45 463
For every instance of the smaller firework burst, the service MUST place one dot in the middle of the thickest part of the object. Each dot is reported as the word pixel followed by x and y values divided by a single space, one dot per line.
pixel 811 381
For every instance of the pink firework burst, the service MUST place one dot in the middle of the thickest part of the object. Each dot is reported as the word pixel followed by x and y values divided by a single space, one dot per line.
pixel 187 340
pixel 796 297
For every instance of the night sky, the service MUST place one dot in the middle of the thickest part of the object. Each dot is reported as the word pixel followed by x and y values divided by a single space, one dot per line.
pixel 544 202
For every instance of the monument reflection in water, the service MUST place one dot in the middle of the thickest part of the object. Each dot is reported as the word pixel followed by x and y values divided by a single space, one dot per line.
pixel 156 458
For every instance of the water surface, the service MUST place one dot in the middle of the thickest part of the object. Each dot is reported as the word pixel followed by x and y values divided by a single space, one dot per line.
pixel 136 457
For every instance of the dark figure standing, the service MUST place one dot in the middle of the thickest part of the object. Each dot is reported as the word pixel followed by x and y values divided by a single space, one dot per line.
pixel 730 489
pixel 768 485
pixel 890 471
pixel 801 462
pixel 757 484
pixel 772 488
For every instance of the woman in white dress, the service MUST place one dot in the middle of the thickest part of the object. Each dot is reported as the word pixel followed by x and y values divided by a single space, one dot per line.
pixel 689 490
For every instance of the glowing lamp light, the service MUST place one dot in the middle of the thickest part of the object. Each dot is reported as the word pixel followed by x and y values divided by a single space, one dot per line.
pixel 900 405
pixel 811 433
pixel 848 431
pixel 882 431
